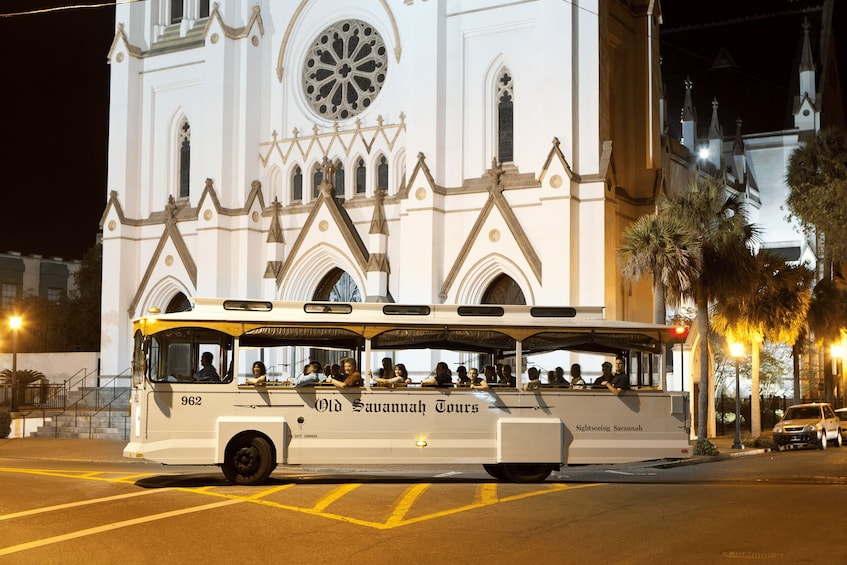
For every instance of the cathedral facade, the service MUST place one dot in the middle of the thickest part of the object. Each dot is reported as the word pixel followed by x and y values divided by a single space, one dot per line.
pixel 413 151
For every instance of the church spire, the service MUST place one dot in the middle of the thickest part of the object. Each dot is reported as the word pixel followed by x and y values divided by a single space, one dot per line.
pixel 689 118
pixel 806 108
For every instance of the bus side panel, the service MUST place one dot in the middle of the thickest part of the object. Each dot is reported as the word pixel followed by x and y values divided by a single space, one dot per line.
pixel 530 440
pixel 275 428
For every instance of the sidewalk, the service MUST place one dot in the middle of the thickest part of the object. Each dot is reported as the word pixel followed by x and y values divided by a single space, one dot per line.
pixel 112 450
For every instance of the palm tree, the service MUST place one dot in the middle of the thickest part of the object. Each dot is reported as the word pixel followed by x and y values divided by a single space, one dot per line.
pixel 724 236
pixel 775 310
pixel 666 248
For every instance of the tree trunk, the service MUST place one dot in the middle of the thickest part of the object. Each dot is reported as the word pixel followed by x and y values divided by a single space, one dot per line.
pixel 659 312
pixel 705 382
pixel 795 355
pixel 755 404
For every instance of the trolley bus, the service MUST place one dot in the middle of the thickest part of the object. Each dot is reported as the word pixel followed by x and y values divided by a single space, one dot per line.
pixel 518 432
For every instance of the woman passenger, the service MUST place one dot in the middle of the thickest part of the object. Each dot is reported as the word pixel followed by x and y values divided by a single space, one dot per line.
pixel 443 376
pixel 401 377
pixel 350 377
pixel 259 374
pixel 475 380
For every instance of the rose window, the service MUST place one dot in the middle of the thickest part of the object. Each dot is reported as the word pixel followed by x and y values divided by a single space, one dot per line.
pixel 344 69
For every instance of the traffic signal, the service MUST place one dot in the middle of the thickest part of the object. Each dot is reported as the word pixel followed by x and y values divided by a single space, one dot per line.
pixel 679 333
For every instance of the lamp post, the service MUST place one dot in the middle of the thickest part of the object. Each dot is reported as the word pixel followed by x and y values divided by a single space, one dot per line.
pixel 737 350
pixel 15 323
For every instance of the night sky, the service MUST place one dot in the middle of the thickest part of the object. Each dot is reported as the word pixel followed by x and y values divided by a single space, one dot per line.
pixel 55 127
pixel 56 102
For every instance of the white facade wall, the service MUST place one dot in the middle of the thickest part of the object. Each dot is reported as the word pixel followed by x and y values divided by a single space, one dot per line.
pixel 551 226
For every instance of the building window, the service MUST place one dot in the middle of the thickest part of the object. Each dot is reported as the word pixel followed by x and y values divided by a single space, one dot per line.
pixel 339 180
pixel 184 158
pixel 344 69
pixel 317 178
pixel 204 8
pixel 54 294
pixel 505 115
pixel 9 295
pixel 176 11
pixel 297 185
pixel 361 186
pixel 382 174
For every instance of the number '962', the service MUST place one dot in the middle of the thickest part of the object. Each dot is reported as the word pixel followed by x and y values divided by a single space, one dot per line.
pixel 191 401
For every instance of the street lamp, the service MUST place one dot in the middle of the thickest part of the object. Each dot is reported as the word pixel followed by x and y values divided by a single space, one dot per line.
pixel 737 351
pixel 15 323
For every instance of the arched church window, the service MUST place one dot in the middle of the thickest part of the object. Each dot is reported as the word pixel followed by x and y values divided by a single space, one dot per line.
pixel 338 286
pixel 344 69
pixel 176 11
pixel 339 179
pixel 317 179
pixel 361 186
pixel 297 185
pixel 382 174
pixel 505 114
pixel 178 303
pixel 503 290
pixel 184 158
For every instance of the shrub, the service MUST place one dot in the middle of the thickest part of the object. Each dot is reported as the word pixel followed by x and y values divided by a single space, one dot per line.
pixel 705 447
pixel 762 442
pixel 5 423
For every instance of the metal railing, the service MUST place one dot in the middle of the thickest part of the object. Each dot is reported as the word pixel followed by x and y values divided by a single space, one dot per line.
pixel 52 400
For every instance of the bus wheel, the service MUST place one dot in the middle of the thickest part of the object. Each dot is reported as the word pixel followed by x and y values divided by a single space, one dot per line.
pixel 249 460
pixel 496 471
pixel 527 472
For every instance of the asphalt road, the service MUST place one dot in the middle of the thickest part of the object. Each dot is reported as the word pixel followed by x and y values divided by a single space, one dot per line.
pixel 766 507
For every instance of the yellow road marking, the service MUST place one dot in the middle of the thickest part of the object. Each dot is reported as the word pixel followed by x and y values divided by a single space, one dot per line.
pixel 334 495
pixel 407 499
pixel 486 495
pixel 109 527
pixel 121 477
pixel 35 511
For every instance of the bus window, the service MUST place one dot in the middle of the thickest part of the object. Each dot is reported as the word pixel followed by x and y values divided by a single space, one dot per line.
pixel 190 355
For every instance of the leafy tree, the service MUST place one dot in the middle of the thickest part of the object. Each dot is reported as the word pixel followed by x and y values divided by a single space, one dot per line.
pixel 69 324
pixel 666 248
pixel 817 175
pixel 724 236
pixel 775 310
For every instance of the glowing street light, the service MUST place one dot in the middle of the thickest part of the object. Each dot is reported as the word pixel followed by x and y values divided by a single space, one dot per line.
pixel 15 323
pixel 737 351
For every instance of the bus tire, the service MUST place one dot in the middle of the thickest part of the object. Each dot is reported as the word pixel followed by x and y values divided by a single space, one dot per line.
pixel 527 472
pixel 497 472
pixel 249 460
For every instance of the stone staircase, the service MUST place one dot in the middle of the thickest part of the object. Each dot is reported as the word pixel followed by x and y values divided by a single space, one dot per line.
pixel 86 425
pixel 91 413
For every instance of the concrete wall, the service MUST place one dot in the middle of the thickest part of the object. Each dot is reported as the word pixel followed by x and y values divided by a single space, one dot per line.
pixel 78 367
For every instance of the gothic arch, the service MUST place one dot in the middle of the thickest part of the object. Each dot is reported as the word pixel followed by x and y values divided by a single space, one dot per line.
pixel 481 275
pixel 489 108
pixel 307 273
pixel 274 183
pixel 174 158
pixel 161 294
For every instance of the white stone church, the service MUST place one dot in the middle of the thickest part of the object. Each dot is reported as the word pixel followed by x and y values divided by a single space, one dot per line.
pixel 414 151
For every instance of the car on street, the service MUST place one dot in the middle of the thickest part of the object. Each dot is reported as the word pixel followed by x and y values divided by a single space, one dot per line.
pixel 842 416
pixel 807 425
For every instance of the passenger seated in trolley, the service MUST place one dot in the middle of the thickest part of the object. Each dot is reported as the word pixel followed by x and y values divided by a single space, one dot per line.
pixel 475 381
pixel 490 374
pixel 506 377
pixel 576 376
pixel 443 376
pixel 462 373
pixel 311 375
pixel 207 373
pixel 259 374
pixel 400 378
pixel 534 379
pixel 350 376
